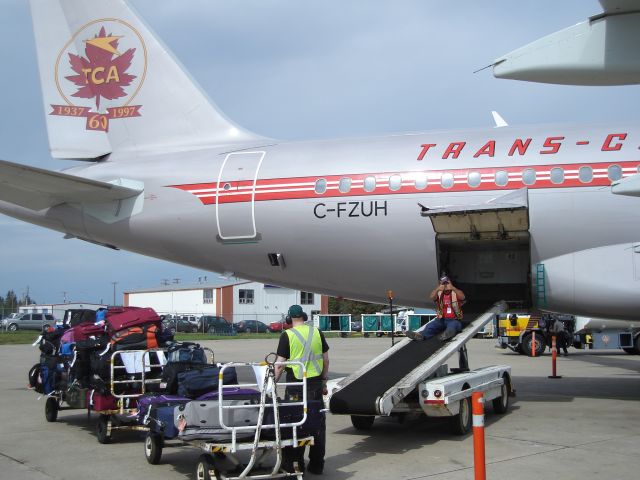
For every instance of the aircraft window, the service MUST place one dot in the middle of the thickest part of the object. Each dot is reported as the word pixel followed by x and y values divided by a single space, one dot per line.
pixel 585 174
pixel 614 172
pixel 321 186
pixel 369 184
pixel 446 180
pixel 345 185
pixel 227 186
pixel 502 178
pixel 474 179
pixel 421 182
pixel 557 175
pixel 529 176
pixel 395 182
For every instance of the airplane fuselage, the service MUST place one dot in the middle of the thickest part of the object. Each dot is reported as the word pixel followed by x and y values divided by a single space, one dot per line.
pixel 343 216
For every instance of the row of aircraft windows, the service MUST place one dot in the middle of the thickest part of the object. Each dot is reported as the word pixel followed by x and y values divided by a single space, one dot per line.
pixel 501 179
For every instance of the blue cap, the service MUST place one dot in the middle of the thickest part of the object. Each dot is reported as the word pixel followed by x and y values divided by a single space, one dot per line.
pixel 295 311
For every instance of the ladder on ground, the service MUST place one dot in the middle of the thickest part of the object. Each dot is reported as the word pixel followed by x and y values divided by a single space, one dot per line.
pixel 541 286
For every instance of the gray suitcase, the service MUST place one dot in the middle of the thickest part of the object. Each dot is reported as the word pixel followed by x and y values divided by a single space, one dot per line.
pixel 203 421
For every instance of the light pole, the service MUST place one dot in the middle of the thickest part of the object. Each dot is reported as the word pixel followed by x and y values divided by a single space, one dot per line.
pixel 114 292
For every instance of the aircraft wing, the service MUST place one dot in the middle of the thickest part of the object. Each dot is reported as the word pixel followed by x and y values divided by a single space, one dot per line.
pixel 37 188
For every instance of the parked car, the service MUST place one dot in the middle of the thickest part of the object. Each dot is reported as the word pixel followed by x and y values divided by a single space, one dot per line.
pixel 216 325
pixel 29 321
pixel 279 326
pixel 191 319
pixel 356 326
pixel 251 326
pixel 179 325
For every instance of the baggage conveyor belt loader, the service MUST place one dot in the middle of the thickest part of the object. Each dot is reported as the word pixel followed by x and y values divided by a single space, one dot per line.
pixel 412 377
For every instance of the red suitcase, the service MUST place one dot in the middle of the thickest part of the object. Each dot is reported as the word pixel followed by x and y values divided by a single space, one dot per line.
pixel 99 402
pixel 124 317
pixel 83 331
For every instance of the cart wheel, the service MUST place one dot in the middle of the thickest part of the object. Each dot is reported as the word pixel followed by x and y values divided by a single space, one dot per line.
pixel 362 422
pixel 104 429
pixel 206 469
pixel 153 444
pixel 461 423
pixel 365 335
pixel 51 409
pixel 501 403
pixel 379 334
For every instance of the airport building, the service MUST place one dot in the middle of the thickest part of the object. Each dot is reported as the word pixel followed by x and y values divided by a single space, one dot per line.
pixel 58 309
pixel 234 299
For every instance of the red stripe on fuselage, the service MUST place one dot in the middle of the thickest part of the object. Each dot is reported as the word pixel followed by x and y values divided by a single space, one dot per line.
pixel 304 187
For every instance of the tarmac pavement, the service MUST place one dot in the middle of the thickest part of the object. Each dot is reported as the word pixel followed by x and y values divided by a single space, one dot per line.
pixel 583 426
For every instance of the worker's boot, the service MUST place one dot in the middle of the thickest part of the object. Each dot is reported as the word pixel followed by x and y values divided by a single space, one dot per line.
pixel 414 335
pixel 447 334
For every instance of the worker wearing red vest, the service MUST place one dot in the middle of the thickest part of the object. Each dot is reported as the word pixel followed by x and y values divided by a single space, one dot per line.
pixel 448 301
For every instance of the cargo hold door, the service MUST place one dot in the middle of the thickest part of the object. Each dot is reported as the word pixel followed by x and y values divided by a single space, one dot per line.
pixel 485 248
pixel 235 196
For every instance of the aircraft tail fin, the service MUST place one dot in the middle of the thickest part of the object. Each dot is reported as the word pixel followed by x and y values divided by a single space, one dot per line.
pixel 109 85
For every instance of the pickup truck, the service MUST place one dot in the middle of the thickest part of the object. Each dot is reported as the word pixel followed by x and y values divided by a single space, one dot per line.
pixel 29 321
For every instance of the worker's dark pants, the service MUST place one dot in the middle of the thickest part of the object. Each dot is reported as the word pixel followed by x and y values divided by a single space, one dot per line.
pixel 317 451
pixel 438 325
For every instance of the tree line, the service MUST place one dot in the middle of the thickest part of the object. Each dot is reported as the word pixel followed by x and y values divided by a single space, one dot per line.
pixel 10 302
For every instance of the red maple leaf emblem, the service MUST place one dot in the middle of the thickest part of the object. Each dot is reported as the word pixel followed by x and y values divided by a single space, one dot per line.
pixel 100 74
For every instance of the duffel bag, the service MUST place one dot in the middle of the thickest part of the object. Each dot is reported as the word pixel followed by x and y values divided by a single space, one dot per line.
pixel 170 372
pixel 142 337
pixel 198 381
pixel 125 317
pixel 186 352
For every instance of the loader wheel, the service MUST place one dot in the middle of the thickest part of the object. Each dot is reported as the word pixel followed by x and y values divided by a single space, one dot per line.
pixel 153 448
pixel 360 422
pixel 206 468
pixel 51 409
pixel 461 423
pixel 527 341
pixel 501 403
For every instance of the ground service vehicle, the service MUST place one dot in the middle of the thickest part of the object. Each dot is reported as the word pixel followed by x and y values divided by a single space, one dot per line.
pixel 412 377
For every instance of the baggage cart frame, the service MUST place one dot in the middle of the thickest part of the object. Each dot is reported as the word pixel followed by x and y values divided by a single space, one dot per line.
pixel 209 465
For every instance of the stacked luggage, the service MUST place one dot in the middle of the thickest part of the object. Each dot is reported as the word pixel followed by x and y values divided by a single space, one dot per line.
pixel 103 366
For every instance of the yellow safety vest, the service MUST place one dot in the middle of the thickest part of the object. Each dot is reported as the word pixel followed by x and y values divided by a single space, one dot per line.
pixel 305 345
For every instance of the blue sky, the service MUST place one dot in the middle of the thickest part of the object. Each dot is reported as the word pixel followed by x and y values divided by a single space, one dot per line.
pixel 294 70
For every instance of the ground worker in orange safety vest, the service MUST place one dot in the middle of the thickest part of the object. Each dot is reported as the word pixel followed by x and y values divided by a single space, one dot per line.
pixel 448 301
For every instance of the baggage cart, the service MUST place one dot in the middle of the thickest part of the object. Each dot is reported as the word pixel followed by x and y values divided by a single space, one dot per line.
pixel 224 447
pixel 130 378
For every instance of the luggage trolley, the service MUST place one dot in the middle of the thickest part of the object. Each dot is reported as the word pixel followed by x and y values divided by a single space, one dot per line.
pixel 136 365
pixel 265 435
